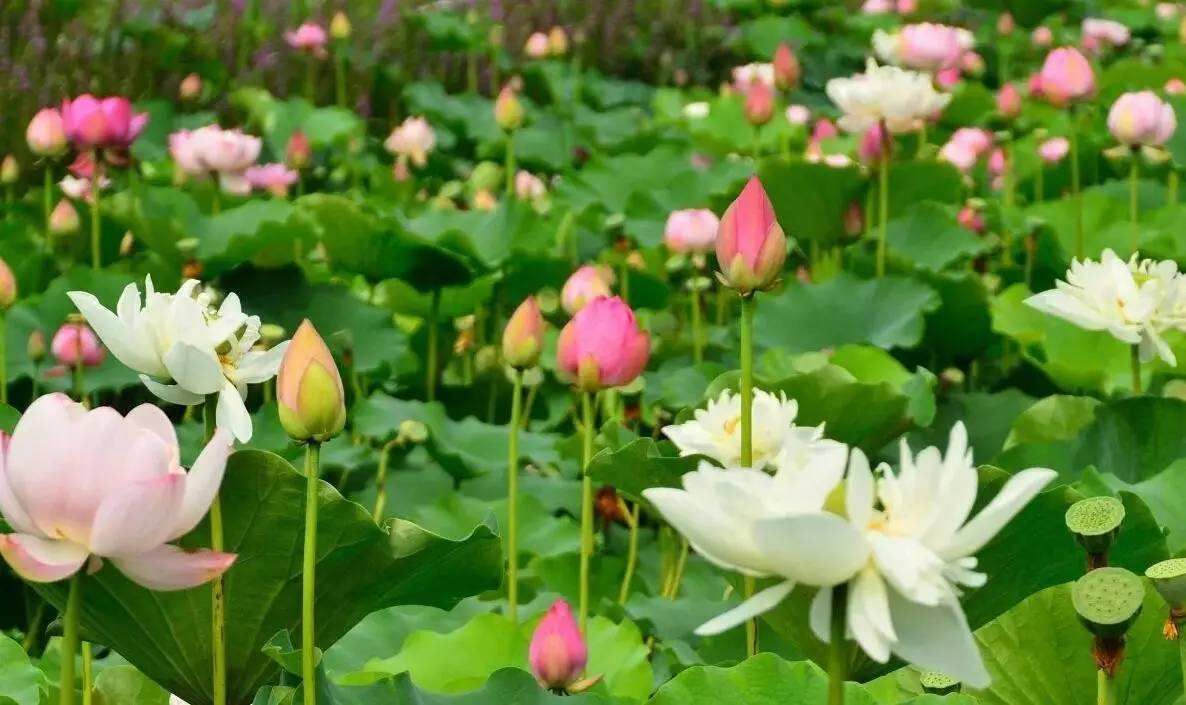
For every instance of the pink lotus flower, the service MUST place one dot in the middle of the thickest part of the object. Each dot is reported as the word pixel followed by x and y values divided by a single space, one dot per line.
pixel 798 114
pixel 537 46
pixel 1054 150
pixel 1042 37
pixel 523 337
pixel 414 139
pixel 275 178
pixel 310 38
pixel 46 134
pixel 1009 101
pixel 691 231
pixel 759 104
pixel 1141 119
pixel 93 123
pixel 587 283
pixel 747 75
pixel 1066 77
pixel 1099 33
pixel 602 346
pixel 79 486
pixel 558 653
pixel 298 152
pixel 528 186
pixel 925 46
pixel 970 219
pixel 877 7
pixel 873 146
pixel 213 150
pixel 786 67
pixel 751 246
pixel 76 343
pixel 966 146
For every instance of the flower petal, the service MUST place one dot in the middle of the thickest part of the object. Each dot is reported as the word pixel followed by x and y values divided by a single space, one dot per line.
pixel 115 333
pixel 1012 498
pixel 41 560
pixel 172 393
pixel 10 508
pixel 138 517
pixel 195 369
pixel 760 603
pixel 202 483
pixel 937 638
pixel 151 418
pixel 860 493
pixel 817 549
pixel 258 367
pixel 231 413
pixel 168 567
pixel 709 531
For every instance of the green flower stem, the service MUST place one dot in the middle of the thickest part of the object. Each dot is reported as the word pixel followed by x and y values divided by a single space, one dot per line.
pixel 677 576
pixel 308 574
pixel 77 382
pixel 381 479
pixel 216 198
pixel 87 668
pixel 1135 357
pixel 96 222
pixel 1040 184
pixel 1171 187
pixel 747 431
pixel 1075 186
pixel 217 595
pixel 632 517
pixel 70 641
pixel 1182 654
pixel 837 653
pixel 513 497
pixel 697 325
pixel 586 506
pixel 882 213
pixel 34 631
pixel 430 382
pixel 1134 202
pixel 47 205
pixel 749 587
pixel 340 74
pixel 510 165
pixel 311 79
pixel 1105 689
pixel 1010 198
pixel 4 358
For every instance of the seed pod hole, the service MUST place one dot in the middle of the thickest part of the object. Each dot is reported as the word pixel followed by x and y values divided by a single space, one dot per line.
pixel 1108 601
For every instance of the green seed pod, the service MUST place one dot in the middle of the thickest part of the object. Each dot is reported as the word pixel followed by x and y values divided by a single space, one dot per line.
pixel 938 683
pixel 1108 601
pixel 1095 522
pixel 1169 579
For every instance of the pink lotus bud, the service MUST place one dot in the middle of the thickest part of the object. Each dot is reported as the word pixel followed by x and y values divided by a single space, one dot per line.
pixel 35 347
pixel 602 346
pixel 537 46
pixel 907 7
pixel 961 155
pixel 76 343
pixel 528 186
pixel 798 114
pixel 273 178
pixel 1066 76
pixel 8 288
pixel 309 392
pixel 508 111
pixel 46 135
pixel 92 123
pixel 759 104
pixel 1042 37
pixel 557 41
pixel 63 220
pixel 970 219
pixel 996 162
pixel 873 145
pixel 1175 86
pixel 1005 24
pixel 190 87
pixel 298 152
pixel 1054 150
pixel 309 38
pixel 1034 85
pixel 854 219
pixel 972 63
pixel 978 139
pixel 691 231
pixel 786 67
pixel 10 170
pixel 824 129
pixel 558 653
pixel 587 283
pixel 930 47
pixel 1141 119
pixel 1009 101
pixel 523 337
pixel 751 246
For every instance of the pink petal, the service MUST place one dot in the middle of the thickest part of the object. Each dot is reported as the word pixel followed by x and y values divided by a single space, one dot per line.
pixel 168 567
pixel 41 560
pixel 202 483
pixel 152 418
pixel 137 518
pixel 10 508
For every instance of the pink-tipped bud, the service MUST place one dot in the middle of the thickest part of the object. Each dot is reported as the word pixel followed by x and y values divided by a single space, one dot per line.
pixel 1066 77
pixel 786 67
pixel 508 111
pixel 971 219
pixel 584 285
pixel 190 88
pixel 1141 119
pixel 1006 24
pixel 854 219
pixel 558 653
pixel 759 104
pixel 536 46
pixel 1175 86
pixel 558 41
pixel 1054 150
pixel 873 145
pixel 92 122
pixel 76 343
pixel 309 389
pixel 602 346
pixel 10 170
pixel 35 347
pixel 63 220
pixel 523 337
pixel 46 135
pixel 298 152
pixel 751 246
pixel 8 289
pixel 1009 101
pixel 691 231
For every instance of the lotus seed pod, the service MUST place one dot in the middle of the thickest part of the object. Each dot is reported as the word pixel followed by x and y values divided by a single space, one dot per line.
pixel 412 431
pixel 1108 601
pixel 938 683
pixel 1169 579
pixel 1095 522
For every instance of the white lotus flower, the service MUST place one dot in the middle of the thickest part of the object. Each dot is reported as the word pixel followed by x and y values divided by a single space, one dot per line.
pixel 748 74
pixel 184 349
pixel 715 431
pixel 920 546
pixel 721 513
pixel 903 99
pixel 1134 301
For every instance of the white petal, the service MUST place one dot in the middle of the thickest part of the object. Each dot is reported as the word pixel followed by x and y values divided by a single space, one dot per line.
pixel 869 615
pixel 1012 498
pixel 708 531
pixel 115 333
pixel 195 369
pixel 171 393
pixel 258 367
pixel 859 491
pixel 760 603
pixel 232 413
pixel 817 549
pixel 937 638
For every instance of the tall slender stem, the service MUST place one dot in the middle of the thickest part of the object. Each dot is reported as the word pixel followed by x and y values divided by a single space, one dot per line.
pixel 747 434
pixel 1075 185
pixel 513 497
pixel 631 555
pixel 1010 199
pixel 837 651
pixel 340 74
pixel 677 576
pixel 1135 358
pixel 217 594
pixel 3 357
pixel 1105 689
pixel 882 213
pixel 381 480
pixel 47 205
pixel 87 668
pixel 1134 201
pixel 1040 184
pixel 1171 187
pixel 510 165
pixel 697 325
pixel 311 79
pixel 308 574
pixel 586 505
pixel 96 222
pixel 431 366
pixel 70 641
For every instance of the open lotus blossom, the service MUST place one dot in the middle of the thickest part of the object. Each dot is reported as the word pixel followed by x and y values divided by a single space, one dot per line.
pixel 602 346
pixel 213 150
pixel 1142 118
pixel 1099 33
pixel 80 486
pixel 93 123
pixel 904 100
pixel 275 178
pixel 693 230
pixel 919 537
pixel 1054 150
pixel 715 431
pixel 587 283
pixel 747 75
pixel 528 186
pixel 966 146
pixel 414 139
pixel 1134 301
pixel 924 47
pixel 310 38
pixel 184 349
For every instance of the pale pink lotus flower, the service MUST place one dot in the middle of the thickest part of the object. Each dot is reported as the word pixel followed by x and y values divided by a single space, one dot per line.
pixel 691 231
pixel 587 283
pixel 1009 101
pixel 751 246
pixel 1175 86
pixel 80 486
pixel 75 342
pixel 414 139
pixel 1054 150
pixel 46 134
pixel 275 178
pixel 1066 77
pixel 92 123
pixel 1100 33
pixel 925 46
pixel 213 150
pixel 1141 118
pixel 528 186
pixel 309 38
pixel 798 114
pixel 537 46
pixel 558 653
pixel 1042 37
pixel 602 346
pixel 747 75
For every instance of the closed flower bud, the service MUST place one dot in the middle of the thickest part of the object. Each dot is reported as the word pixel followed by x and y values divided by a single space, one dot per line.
pixel 759 104
pixel 1054 150
pixel 63 220
pixel 298 152
pixel 309 389
pixel 558 41
pixel 873 147
pixel 1066 77
pixel 536 46
pixel 8 288
pixel 585 284
pixel 602 346
pixel 75 343
pixel 339 26
pixel 45 135
pixel 786 67
pixel 523 337
pixel 1006 24
pixel 751 246
pixel 508 111
pixel 190 88
pixel 558 653
pixel 1009 101
pixel 35 347
pixel 1141 118
pixel 10 170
